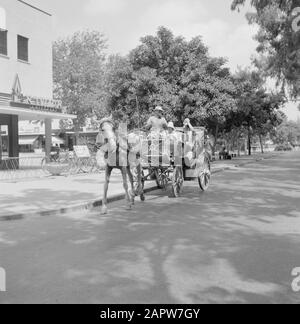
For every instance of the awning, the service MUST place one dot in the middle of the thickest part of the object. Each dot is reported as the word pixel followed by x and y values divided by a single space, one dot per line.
pixel 28 140
pixel 27 114
pixel 57 140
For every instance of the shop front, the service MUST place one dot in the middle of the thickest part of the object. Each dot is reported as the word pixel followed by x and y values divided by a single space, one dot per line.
pixel 17 107
pixel 26 79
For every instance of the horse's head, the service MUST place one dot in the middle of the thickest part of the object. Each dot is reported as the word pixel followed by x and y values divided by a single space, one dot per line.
pixel 107 133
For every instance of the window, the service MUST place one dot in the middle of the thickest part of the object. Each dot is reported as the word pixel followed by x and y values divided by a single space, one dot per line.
pixel 3 42
pixel 22 48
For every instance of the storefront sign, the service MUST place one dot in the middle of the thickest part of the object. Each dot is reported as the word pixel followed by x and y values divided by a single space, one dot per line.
pixel 42 102
pixel 38 103
pixel 31 102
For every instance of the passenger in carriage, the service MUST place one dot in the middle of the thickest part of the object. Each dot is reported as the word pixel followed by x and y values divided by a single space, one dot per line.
pixel 188 130
pixel 172 134
pixel 173 141
pixel 188 135
pixel 157 124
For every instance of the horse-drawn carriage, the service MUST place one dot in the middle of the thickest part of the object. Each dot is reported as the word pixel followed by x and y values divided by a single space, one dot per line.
pixel 172 162
pixel 168 160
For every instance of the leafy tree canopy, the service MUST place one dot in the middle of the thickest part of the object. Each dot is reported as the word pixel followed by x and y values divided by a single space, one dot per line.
pixel 279 42
pixel 172 72
pixel 287 133
pixel 258 111
pixel 78 69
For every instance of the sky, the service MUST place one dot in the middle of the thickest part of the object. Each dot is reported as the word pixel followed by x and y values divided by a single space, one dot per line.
pixel 124 22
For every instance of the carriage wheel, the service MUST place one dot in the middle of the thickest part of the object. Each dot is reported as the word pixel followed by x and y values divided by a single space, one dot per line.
pixel 205 175
pixel 177 182
pixel 161 179
pixel 142 195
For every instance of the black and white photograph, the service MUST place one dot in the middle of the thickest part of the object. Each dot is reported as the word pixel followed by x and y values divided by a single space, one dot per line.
pixel 149 155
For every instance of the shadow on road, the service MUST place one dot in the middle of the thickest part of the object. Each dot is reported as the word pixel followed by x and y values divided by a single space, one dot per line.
pixel 236 243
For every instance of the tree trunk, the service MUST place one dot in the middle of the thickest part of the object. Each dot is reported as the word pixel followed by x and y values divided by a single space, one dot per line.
pixel 216 139
pixel 249 141
pixel 239 149
pixel 239 143
pixel 261 144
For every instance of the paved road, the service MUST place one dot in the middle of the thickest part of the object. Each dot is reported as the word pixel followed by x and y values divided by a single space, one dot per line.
pixel 238 242
pixel 18 199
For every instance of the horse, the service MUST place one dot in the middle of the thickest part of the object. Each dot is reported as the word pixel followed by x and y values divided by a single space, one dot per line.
pixel 121 152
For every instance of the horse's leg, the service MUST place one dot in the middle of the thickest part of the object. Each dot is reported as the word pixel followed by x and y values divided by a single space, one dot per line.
pixel 125 185
pixel 108 171
pixel 138 190
pixel 139 170
pixel 132 193
pixel 141 192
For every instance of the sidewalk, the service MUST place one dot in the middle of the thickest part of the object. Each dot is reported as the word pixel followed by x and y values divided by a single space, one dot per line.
pixel 64 194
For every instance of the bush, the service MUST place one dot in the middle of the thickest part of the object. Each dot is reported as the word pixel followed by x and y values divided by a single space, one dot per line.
pixel 284 147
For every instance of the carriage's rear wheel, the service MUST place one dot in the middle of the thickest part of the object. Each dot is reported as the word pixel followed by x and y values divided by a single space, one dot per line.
pixel 142 195
pixel 177 182
pixel 205 175
pixel 161 179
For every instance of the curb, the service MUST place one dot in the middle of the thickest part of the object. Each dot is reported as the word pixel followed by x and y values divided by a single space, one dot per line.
pixel 70 209
pixel 98 203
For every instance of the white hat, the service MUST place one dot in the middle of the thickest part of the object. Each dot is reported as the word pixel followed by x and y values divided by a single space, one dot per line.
pixel 186 121
pixel 159 108
pixel 171 125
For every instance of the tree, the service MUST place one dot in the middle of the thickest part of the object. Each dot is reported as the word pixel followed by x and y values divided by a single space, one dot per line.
pixel 258 111
pixel 269 117
pixel 279 42
pixel 128 94
pixel 78 67
pixel 191 83
pixel 170 71
pixel 208 95
pixel 287 133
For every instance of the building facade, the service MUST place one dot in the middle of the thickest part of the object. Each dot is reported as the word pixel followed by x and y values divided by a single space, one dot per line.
pixel 26 80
